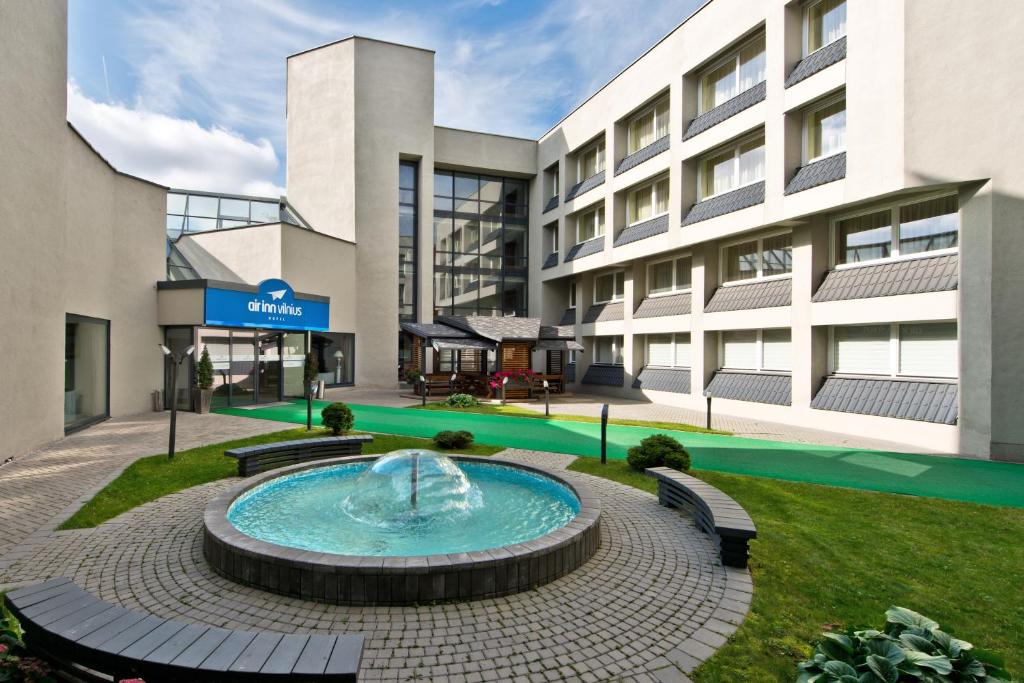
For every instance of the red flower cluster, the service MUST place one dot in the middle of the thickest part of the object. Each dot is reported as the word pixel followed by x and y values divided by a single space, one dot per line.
pixel 513 375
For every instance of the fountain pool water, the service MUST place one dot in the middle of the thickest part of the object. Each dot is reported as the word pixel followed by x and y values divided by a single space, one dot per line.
pixel 407 503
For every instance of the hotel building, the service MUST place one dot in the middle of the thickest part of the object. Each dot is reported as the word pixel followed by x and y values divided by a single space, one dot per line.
pixel 807 211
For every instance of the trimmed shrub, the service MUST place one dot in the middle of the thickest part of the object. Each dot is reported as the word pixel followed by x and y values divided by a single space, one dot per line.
pixel 678 460
pixel 448 440
pixel 338 418
pixel 461 401
pixel 653 450
pixel 911 647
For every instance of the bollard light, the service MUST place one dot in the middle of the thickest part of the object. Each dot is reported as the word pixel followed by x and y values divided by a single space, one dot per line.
pixel 504 381
pixel 604 434
pixel 707 395
pixel 423 389
pixel 547 400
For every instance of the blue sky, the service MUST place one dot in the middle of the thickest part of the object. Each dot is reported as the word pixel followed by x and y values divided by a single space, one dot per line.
pixel 191 93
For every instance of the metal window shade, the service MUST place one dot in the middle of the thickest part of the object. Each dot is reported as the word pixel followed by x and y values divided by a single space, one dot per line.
pixel 862 350
pixel 928 350
pixel 659 349
pixel 776 350
pixel 739 349
pixel 682 350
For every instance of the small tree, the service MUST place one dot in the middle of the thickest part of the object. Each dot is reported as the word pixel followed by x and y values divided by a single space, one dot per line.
pixel 204 370
pixel 310 373
pixel 338 418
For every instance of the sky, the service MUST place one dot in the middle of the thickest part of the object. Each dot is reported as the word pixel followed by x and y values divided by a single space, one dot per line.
pixel 191 93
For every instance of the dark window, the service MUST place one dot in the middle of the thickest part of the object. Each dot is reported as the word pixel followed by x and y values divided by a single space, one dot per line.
pixel 408 208
pixel 86 371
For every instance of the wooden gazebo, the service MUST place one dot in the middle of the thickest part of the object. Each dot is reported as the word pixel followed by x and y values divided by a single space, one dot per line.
pixel 472 340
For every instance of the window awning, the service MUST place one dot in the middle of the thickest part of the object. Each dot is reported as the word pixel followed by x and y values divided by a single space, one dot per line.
pixel 558 345
pixel 462 345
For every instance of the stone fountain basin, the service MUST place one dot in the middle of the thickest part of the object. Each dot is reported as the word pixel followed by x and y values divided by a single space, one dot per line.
pixel 366 580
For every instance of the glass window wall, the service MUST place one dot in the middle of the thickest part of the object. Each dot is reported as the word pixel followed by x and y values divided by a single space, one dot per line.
pixel 86 371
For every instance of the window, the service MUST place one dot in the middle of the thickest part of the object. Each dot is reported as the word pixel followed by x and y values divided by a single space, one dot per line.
pixel 551 238
pixel 824 23
pixel 590 224
pixel 920 227
pixel 769 350
pixel 590 161
pixel 648 201
pixel 668 277
pixel 87 371
pixel 609 287
pixel 905 349
pixel 407 234
pixel 648 127
pixel 552 182
pixel 736 74
pixel 669 350
pixel 335 354
pixel 608 350
pixel 572 294
pixel 730 169
pixel 758 258
pixel 825 130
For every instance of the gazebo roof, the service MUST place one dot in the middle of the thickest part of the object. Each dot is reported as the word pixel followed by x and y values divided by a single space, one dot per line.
pixel 496 329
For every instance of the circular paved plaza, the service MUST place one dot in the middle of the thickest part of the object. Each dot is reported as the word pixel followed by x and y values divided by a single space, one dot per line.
pixel 651 605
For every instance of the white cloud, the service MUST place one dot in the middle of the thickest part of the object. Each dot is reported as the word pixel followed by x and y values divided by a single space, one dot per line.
pixel 173 151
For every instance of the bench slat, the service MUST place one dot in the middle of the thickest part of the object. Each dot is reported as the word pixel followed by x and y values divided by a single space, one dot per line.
pixel 257 653
pixel 35 604
pixel 77 617
pixel 21 596
pixel 46 617
pixel 315 655
pixel 196 653
pixel 228 651
pixel 346 655
pixel 84 628
pixel 130 635
pixel 285 654
pixel 177 644
pixel 111 630
pixel 152 640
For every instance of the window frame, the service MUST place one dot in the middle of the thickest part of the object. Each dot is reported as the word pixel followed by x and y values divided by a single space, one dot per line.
pixel 651 108
pixel 675 343
pixel 572 294
pixel 735 148
pixel 806 128
pixel 653 184
pixel 621 349
pixel 806 24
pixel 676 289
pixel 597 145
pixel 895 340
pixel 758 351
pixel 611 273
pixel 760 277
pixel 734 56
pixel 894 225
pixel 552 182
pixel 594 209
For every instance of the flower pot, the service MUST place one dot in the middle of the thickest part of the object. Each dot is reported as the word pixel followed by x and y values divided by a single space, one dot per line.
pixel 201 400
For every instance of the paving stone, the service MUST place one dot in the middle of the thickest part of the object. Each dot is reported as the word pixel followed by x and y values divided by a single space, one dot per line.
pixel 630 613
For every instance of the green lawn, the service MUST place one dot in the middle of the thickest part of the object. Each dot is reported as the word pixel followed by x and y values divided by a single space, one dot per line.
pixel 831 556
pixel 150 478
pixel 516 411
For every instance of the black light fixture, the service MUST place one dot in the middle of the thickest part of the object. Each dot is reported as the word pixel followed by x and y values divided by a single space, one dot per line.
pixel 176 361
pixel 707 394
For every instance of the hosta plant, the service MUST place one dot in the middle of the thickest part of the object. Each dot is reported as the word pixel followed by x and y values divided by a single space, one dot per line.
pixel 912 647
pixel 461 401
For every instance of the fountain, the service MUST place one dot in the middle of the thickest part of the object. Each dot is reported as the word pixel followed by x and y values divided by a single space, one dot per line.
pixel 410 526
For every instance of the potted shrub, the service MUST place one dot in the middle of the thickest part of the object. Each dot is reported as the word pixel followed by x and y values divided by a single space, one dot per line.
pixel 204 382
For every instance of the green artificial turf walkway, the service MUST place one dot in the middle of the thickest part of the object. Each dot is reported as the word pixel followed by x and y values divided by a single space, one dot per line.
pixel 977 481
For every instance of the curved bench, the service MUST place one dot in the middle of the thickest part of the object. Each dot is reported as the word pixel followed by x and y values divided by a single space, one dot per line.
pixel 713 512
pixel 75 629
pixel 269 456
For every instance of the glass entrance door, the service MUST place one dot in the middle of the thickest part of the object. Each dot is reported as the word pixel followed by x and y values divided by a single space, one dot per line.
pixel 268 367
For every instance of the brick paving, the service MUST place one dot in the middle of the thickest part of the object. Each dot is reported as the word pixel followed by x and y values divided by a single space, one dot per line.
pixel 41 489
pixel 650 606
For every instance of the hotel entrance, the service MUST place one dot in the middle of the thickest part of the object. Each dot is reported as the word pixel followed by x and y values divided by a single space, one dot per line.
pixel 254 366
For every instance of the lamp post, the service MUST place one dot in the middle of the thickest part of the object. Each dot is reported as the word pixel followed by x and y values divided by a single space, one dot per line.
pixel 176 360
pixel 504 381
pixel 604 434
pixel 423 389
pixel 338 358
pixel 547 400
pixel 451 382
pixel 707 395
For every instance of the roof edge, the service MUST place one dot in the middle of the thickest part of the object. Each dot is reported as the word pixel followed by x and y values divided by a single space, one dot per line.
pixel 358 37
pixel 106 161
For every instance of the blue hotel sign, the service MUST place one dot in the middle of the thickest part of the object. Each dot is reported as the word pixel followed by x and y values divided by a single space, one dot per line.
pixel 273 306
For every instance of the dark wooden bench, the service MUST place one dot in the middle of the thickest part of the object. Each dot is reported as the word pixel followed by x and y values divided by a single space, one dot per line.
pixel 256 459
pixel 84 636
pixel 714 512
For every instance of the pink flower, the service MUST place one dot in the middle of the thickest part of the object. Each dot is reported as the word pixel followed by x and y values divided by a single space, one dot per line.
pixel 3 649
pixel 131 680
